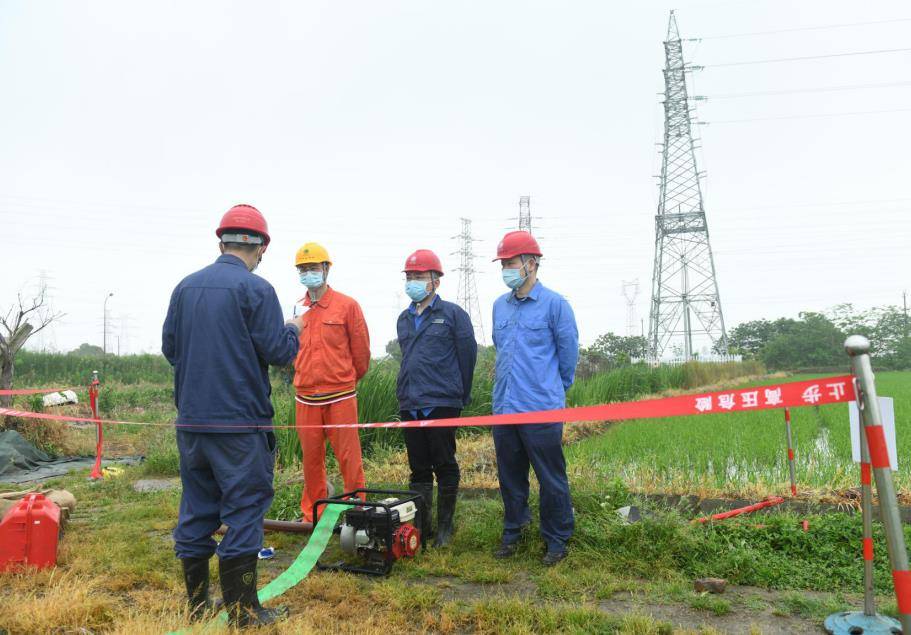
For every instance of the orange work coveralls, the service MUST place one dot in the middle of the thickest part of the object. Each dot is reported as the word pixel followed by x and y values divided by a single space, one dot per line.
pixel 334 354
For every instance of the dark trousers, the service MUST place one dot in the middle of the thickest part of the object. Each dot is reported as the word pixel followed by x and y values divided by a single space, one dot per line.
pixel 432 450
pixel 226 478
pixel 541 446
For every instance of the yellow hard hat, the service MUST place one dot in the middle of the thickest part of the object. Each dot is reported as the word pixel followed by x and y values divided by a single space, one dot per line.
pixel 311 253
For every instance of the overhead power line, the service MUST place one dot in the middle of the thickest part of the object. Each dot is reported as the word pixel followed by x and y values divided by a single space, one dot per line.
pixel 810 116
pixel 777 60
pixel 798 29
pixel 794 91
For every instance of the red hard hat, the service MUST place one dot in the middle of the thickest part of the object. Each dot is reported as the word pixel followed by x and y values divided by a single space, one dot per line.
pixel 423 260
pixel 517 243
pixel 244 217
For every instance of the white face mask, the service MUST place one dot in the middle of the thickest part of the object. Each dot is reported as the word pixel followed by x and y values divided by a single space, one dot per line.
pixel 311 279
pixel 513 278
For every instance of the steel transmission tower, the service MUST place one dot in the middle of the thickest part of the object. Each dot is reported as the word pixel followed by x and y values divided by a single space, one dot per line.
pixel 685 301
pixel 468 289
pixel 525 213
pixel 630 291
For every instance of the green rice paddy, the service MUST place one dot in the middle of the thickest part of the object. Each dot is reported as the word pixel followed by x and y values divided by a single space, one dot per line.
pixel 744 452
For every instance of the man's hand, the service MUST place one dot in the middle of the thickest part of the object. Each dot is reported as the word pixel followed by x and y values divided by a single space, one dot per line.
pixel 297 322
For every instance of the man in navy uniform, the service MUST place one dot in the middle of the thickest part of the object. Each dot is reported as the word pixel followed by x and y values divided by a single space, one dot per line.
pixel 223 329
pixel 439 352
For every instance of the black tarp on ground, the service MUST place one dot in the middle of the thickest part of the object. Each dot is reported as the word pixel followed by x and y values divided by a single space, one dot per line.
pixel 22 462
pixel 17 454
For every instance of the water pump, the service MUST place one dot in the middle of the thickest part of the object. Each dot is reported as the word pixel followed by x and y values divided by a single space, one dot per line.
pixel 379 530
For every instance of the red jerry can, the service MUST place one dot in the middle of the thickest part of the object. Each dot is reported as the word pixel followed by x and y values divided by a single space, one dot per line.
pixel 28 534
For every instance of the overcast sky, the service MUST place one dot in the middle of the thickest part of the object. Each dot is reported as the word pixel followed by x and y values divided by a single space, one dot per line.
pixel 128 128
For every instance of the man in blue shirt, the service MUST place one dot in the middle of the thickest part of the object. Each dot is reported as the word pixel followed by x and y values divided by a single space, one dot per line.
pixel 438 358
pixel 223 330
pixel 534 332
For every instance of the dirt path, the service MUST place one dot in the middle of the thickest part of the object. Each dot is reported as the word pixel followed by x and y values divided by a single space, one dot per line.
pixel 751 609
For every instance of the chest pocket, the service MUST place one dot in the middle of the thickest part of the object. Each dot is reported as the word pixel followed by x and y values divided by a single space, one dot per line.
pixel 335 335
pixel 437 330
pixel 500 332
pixel 435 340
pixel 536 332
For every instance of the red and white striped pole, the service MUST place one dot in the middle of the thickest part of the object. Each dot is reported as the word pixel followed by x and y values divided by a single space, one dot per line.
pixel 99 433
pixel 787 427
pixel 866 506
pixel 873 451
pixel 858 347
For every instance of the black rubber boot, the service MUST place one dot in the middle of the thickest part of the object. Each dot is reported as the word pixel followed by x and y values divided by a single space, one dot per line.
pixel 446 504
pixel 238 586
pixel 196 577
pixel 425 524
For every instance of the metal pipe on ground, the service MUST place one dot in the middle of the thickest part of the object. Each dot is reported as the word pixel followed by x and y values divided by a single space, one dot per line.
pixel 287 526
pixel 284 526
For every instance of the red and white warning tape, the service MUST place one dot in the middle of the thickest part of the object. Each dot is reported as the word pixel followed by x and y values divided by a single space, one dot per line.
pixel 38 391
pixel 813 392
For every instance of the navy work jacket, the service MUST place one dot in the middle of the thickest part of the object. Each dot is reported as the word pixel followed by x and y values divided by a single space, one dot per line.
pixel 223 329
pixel 438 358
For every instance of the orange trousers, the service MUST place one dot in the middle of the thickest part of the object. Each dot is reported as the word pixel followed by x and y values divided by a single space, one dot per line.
pixel 346 444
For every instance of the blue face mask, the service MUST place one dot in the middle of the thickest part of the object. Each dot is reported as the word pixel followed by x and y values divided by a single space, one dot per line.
pixel 312 279
pixel 416 289
pixel 513 278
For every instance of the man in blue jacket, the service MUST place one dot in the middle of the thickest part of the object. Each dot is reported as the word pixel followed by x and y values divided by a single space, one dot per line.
pixel 223 329
pixel 534 332
pixel 438 358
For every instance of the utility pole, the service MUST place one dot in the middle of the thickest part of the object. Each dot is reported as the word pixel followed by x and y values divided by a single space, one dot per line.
pixel 905 308
pixel 685 302
pixel 630 291
pixel 467 296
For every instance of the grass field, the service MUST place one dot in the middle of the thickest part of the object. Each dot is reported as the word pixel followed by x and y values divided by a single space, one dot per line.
pixel 117 572
pixel 742 453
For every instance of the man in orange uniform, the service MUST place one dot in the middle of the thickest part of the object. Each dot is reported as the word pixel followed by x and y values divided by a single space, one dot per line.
pixel 334 354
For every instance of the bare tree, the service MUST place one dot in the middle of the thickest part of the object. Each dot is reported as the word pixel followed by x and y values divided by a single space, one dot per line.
pixel 25 318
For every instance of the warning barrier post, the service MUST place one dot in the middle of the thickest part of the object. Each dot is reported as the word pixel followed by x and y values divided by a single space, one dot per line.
pixel 787 427
pixel 866 506
pixel 99 432
pixel 875 455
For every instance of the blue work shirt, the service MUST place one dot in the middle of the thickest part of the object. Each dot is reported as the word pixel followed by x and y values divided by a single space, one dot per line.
pixel 438 357
pixel 223 329
pixel 419 317
pixel 537 346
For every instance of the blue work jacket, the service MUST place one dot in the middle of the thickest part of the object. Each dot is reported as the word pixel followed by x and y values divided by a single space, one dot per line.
pixel 438 358
pixel 537 346
pixel 223 329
